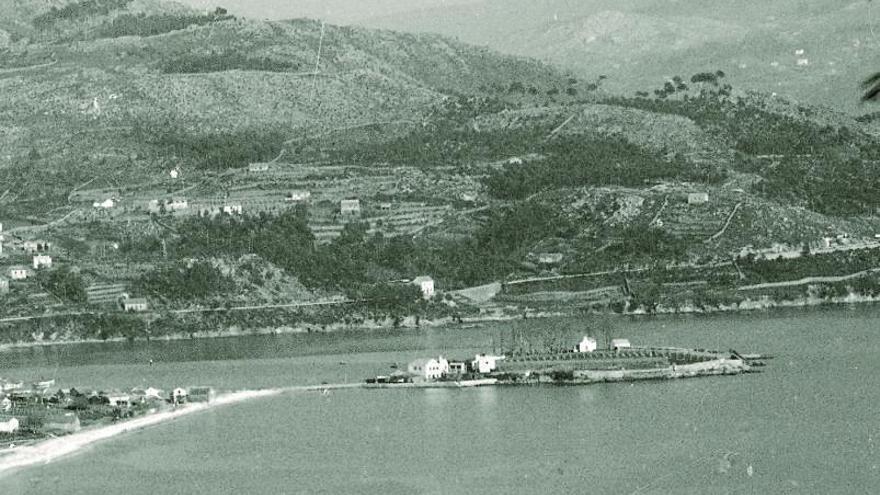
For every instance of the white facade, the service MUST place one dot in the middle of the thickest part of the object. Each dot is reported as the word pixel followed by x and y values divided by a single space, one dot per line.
pixel 42 260
pixel 153 392
pixel 232 209
pixel 350 207
pixel 299 196
pixel 698 198
pixel 618 344
pixel 107 203
pixel 429 369
pixel 587 344
pixel 426 285
pixel 18 273
pixel 9 426
pixel 484 363
pixel 118 400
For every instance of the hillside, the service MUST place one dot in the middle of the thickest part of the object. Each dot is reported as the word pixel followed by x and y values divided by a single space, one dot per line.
pixel 636 42
pixel 134 104
pixel 211 164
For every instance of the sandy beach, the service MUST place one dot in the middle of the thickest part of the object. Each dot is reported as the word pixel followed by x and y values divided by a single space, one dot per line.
pixel 54 448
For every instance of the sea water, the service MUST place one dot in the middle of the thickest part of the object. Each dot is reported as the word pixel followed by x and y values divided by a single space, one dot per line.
pixel 807 424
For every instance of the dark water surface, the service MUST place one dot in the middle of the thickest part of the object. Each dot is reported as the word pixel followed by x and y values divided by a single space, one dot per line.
pixel 808 424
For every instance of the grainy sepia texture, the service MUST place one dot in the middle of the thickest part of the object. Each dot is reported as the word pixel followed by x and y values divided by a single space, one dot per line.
pixel 439 246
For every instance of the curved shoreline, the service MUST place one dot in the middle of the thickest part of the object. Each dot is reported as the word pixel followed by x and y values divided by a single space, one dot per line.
pixel 52 449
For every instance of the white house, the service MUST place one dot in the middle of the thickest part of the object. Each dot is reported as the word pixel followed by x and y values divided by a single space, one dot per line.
pixel 9 425
pixel 174 173
pixel 698 198
pixel 426 284
pixel 429 368
pixel 135 304
pixel 618 344
pixel 350 207
pixel 299 196
pixel 484 363
pixel 42 260
pixel 18 273
pixel 118 400
pixel 587 344
pixel 232 209
pixel 152 392
pixel 258 167
pixel 107 203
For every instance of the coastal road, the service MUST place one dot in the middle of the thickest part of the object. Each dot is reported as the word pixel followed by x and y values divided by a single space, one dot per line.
pixel 810 280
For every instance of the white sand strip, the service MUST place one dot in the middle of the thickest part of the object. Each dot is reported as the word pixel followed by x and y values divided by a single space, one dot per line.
pixel 49 450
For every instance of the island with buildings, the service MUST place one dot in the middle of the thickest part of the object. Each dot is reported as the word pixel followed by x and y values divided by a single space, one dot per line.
pixel 581 364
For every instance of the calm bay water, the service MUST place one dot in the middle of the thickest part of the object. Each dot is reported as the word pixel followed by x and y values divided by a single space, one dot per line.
pixel 808 424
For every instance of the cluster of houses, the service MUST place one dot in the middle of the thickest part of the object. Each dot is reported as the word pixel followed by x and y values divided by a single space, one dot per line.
pixel 440 368
pixel 37 410
pixel 38 249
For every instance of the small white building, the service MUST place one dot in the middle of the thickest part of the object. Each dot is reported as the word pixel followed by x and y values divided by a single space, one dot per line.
pixel 135 304
pixel 18 273
pixel 5 404
pixel 9 425
pixel 152 393
pixel 429 368
pixel 258 167
pixel 174 173
pixel 107 203
pixel 485 363
pixel 42 260
pixel 426 285
pixel 618 344
pixel 118 400
pixel 232 209
pixel 350 207
pixel 550 258
pixel 4 285
pixel 299 196
pixel 587 344
pixel 698 198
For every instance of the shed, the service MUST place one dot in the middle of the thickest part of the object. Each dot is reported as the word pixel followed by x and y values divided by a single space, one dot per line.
pixel 201 394
pixel 618 344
